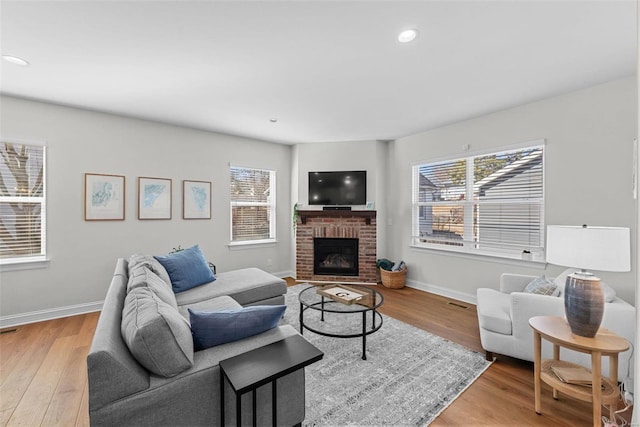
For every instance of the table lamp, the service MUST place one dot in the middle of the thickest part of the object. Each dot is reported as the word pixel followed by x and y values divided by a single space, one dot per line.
pixel 593 248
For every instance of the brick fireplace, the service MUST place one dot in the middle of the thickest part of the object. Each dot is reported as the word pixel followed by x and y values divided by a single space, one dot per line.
pixel 333 226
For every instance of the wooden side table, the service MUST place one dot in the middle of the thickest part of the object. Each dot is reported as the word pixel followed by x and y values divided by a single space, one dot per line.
pixel 606 343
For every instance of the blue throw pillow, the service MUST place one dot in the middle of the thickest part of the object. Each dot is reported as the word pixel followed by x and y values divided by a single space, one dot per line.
pixel 187 269
pixel 211 328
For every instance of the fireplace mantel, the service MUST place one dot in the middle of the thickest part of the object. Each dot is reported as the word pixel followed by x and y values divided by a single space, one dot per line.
pixel 337 213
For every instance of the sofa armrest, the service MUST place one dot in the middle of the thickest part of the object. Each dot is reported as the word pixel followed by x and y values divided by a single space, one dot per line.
pixel 514 282
pixel 524 306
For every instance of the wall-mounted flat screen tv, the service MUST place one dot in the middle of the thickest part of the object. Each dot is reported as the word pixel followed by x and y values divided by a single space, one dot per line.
pixel 338 188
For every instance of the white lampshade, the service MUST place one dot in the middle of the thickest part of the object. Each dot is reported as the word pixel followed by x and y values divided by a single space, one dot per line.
pixel 589 248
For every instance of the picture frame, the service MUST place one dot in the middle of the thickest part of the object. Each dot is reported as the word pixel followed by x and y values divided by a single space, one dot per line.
pixel 104 197
pixel 154 198
pixel 196 199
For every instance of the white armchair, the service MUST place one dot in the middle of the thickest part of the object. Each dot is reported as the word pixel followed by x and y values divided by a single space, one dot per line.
pixel 503 317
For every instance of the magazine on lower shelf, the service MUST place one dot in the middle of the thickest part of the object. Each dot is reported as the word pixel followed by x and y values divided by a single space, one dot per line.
pixel 576 376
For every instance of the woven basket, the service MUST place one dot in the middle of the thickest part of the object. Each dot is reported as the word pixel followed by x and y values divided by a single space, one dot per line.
pixel 393 279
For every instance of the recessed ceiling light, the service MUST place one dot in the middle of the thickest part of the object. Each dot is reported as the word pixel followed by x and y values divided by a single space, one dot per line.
pixel 15 60
pixel 274 120
pixel 407 36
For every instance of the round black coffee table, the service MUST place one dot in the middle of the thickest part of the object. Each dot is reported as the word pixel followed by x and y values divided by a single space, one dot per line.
pixel 371 299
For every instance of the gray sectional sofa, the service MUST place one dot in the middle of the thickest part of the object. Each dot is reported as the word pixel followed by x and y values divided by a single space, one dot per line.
pixel 166 382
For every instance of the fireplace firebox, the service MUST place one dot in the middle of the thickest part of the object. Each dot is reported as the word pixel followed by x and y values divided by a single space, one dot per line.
pixel 333 256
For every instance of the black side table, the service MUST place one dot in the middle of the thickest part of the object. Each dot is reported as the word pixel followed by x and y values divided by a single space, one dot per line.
pixel 248 371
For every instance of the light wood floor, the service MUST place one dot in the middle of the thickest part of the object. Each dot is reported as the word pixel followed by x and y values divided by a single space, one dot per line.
pixel 43 378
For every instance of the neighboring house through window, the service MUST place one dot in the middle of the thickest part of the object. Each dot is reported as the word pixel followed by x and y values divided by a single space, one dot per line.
pixel 253 205
pixel 22 202
pixel 489 204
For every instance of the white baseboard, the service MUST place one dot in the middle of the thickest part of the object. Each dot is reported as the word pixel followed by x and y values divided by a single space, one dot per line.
pixel 283 274
pixel 445 292
pixel 71 310
pixel 50 314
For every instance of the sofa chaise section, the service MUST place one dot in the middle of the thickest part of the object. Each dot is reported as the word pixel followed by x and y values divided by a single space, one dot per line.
pixel 248 286
pixel 122 392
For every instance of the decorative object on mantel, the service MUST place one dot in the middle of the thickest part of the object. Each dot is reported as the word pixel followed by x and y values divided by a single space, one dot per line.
pixel 586 247
pixel 295 216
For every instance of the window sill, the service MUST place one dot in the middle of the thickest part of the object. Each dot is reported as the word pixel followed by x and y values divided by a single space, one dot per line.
pixel 486 256
pixel 251 244
pixel 24 264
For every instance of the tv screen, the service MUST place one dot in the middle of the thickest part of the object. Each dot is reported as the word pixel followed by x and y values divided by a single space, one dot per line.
pixel 338 188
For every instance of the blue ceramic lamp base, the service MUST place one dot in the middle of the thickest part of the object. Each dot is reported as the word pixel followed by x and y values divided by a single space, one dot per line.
pixel 583 303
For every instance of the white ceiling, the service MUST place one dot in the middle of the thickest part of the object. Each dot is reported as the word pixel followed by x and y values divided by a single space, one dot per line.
pixel 327 70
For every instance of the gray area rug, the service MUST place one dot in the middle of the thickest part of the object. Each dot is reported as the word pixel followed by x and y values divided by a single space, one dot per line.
pixel 409 377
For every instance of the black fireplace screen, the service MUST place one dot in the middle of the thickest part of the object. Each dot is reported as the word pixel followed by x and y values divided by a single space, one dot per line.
pixel 332 256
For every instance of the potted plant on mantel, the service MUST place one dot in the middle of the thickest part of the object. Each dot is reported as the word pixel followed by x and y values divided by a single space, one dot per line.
pixel 295 216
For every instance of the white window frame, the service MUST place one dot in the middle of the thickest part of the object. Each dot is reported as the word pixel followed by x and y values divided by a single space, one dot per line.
pixel 271 204
pixel 33 261
pixel 469 247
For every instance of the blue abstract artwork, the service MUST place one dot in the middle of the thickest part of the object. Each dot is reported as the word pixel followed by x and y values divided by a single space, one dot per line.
pixel 201 201
pixel 196 200
pixel 154 198
pixel 101 194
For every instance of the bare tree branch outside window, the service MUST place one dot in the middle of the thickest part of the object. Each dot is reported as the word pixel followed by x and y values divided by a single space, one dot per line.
pixel 21 200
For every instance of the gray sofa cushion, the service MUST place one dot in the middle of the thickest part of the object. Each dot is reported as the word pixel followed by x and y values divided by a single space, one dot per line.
pixel 142 277
pixel 246 286
pixel 113 372
pixel 156 334
pixel 152 264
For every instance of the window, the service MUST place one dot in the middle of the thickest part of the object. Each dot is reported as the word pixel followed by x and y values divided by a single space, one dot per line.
pixel 253 205
pixel 22 202
pixel 490 204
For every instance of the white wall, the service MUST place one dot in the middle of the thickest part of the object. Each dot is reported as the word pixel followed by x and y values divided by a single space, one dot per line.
pixel 83 254
pixel 589 136
pixel 341 156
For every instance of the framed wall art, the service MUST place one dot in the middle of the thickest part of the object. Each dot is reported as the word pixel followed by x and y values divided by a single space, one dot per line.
pixel 103 197
pixel 196 199
pixel 154 198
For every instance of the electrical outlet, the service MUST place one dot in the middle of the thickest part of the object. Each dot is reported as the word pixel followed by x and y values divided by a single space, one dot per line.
pixel 628 398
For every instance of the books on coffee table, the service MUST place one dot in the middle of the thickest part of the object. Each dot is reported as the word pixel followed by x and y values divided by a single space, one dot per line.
pixel 340 294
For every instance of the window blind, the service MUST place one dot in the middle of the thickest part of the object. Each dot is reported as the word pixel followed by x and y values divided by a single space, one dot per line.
pixel 492 202
pixel 22 201
pixel 252 195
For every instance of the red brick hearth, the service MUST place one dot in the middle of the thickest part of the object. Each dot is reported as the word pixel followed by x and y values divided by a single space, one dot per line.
pixel 359 225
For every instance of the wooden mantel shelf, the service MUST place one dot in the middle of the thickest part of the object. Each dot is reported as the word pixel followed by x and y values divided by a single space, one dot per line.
pixel 303 215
